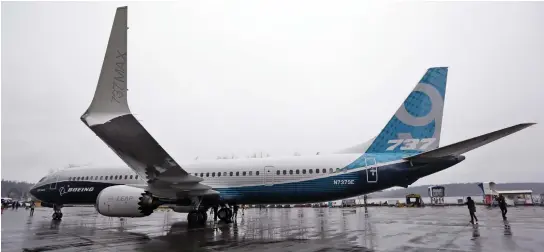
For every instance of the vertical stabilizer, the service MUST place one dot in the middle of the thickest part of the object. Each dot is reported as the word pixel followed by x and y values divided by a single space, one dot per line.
pixel 416 125
pixel 110 97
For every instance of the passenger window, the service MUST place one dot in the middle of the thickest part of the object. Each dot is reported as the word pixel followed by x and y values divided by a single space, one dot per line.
pixel 330 170
pixel 101 177
pixel 218 174
pixel 284 172
pixel 224 174
pixel 126 176
pixel 69 178
pixel 111 177
pixel 257 173
pixel 231 174
pixel 311 171
pixel 106 178
pixel 290 172
pixel 297 172
pixel 130 177
pixel 316 170
pixel 136 177
pixel 213 174
pixel 87 178
pixel 337 169
pixel 303 171
pixel 201 174
pixel 243 173
pixel 115 177
pixel 207 174
pixel 324 170
pixel 250 173
pixel 237 173
pixel 278 172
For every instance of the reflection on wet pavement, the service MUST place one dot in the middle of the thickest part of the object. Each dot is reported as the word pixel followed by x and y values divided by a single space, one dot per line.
pixel 283 229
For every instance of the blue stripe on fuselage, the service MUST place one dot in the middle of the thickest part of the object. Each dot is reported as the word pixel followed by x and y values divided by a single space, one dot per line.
pixel 342 185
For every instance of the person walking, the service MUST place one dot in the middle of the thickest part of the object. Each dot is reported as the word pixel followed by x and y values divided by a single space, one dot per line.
pixel 32 205
pixel 502 205
pixel 471 209
pixel 235 215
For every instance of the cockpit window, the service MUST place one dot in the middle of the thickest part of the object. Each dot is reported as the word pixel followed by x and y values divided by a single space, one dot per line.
pixel 42 179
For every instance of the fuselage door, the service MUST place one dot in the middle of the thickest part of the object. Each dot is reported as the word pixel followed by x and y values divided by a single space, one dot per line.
pixel 372 170
pixel 269 174
pixel 53 185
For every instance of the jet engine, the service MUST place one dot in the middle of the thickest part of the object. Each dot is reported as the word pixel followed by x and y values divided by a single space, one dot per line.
pixel 125 201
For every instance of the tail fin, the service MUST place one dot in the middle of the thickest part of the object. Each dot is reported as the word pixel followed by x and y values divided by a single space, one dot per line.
pixel 416 125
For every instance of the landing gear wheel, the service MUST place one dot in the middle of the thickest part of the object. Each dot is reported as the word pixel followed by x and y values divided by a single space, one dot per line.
pixel 203 216
pixel 197 217
pixel 193 217
pixel 224 214
pixel 230 213
pixel 57 216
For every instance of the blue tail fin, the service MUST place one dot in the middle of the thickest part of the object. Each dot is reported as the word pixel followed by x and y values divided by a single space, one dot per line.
pixel 416 125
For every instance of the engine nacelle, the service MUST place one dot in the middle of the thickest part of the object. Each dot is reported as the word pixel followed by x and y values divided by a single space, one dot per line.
pixel 125 201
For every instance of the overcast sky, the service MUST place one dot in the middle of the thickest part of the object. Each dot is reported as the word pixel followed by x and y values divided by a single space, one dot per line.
pixel 211 78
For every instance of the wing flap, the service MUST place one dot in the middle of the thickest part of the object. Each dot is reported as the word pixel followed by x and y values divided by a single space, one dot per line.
pixel 456 149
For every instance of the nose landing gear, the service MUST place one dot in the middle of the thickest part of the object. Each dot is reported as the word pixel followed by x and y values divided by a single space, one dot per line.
pixel 57 213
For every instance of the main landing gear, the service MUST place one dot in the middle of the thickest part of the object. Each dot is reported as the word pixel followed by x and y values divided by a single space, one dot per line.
pixel 197 217
pixel 57 213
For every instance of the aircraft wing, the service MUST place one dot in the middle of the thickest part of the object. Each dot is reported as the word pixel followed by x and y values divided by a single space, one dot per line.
pixel 109 117
pixel 456 149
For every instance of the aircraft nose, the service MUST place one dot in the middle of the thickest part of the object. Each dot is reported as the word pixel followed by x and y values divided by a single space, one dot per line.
pixel 33 192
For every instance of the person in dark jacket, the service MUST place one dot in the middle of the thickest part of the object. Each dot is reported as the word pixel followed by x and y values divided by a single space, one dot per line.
pixel 471 209
pixel 32 205
pixel 502 205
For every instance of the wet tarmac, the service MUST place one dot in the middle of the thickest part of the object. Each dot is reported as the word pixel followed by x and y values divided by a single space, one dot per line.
pixel 288 229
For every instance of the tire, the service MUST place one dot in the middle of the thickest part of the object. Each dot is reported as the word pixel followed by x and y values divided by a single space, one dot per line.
pixel 223 214
pixel 192 218
pixel 202 216
pixel 229 213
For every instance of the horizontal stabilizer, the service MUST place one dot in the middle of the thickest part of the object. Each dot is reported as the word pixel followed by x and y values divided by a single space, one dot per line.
pixel 456 149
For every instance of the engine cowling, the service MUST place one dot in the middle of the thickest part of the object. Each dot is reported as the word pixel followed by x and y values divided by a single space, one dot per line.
pixel 125 201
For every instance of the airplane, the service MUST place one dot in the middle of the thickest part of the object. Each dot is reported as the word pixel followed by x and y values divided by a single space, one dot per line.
pixel 405 150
